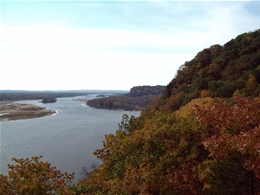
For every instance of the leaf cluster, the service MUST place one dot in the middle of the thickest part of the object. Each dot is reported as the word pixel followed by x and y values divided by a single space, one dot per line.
pixel 32 176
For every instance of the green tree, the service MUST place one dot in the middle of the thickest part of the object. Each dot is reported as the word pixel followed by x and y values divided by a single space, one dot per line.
pixel 214 85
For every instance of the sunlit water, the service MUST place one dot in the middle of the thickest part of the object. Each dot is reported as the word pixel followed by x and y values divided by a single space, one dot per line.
pixel 66 139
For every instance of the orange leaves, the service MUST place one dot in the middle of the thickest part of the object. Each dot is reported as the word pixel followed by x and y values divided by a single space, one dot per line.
pixel 32 176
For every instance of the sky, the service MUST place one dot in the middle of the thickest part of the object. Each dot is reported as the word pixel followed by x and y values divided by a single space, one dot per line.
pixel 111 45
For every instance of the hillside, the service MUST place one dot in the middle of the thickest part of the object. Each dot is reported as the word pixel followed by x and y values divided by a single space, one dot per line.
pixel 217 71
pixel 137 99
pixel 201 136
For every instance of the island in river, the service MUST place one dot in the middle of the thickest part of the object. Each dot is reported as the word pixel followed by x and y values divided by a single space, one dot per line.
pixel 10 111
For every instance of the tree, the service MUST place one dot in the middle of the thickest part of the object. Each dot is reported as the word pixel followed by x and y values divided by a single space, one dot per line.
pixel 32 176
pixel 49 100
pixel 251 84
pixel 161 157
pixel 214 85
pixel 232 137
pixel 225 91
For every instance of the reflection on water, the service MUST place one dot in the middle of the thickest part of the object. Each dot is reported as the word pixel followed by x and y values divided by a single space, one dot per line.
pixel 66 139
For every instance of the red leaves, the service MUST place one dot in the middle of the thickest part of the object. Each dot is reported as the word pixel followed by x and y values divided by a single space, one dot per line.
pixel 232 129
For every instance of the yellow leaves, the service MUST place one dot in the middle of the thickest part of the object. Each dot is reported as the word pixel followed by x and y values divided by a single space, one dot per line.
pixel 199 65
pixel 251 83
pixel 187 110
pixel 206 93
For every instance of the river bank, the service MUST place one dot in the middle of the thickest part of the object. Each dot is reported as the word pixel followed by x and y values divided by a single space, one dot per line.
pixel 14 111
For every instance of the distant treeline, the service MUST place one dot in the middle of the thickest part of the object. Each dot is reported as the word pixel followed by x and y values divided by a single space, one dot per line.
pixel 33 95
pixel 16 95
pixel 137 99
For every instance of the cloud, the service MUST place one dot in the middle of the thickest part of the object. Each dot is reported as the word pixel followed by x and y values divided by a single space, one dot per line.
pixel 54 56
pixel 51 55
pixel 48 36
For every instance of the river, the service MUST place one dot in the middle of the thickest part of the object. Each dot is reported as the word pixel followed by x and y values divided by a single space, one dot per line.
pixel 66 139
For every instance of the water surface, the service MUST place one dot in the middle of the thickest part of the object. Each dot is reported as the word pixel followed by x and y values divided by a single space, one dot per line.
pixel 67 139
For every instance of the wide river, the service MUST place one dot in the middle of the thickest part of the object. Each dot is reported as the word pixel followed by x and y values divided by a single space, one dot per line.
pixel 67 139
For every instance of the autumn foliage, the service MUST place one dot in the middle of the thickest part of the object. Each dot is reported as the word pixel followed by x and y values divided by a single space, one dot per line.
pixel 32 176
pixel 210 146
pixel 233 130
pixel 210 149
pixel 217 71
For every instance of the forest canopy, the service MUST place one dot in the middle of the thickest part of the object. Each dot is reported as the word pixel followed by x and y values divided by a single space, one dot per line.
pixel 217 71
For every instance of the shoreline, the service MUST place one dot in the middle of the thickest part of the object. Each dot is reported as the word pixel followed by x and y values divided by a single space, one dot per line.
pixel 10 111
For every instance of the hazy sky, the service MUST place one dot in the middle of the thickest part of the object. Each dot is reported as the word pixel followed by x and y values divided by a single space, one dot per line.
pixel 48 45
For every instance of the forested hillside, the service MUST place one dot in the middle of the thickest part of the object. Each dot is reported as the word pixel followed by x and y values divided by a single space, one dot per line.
pixel 217 71
pixel 200 137
pixel 138 98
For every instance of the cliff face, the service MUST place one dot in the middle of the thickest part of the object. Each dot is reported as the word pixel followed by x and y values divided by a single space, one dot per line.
pixel 138 98
pixel 146 90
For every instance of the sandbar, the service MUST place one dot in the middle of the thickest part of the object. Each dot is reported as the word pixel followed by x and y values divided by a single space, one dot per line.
pixel 13 111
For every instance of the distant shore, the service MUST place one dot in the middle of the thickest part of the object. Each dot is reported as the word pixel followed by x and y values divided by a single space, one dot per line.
pixel 12 111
